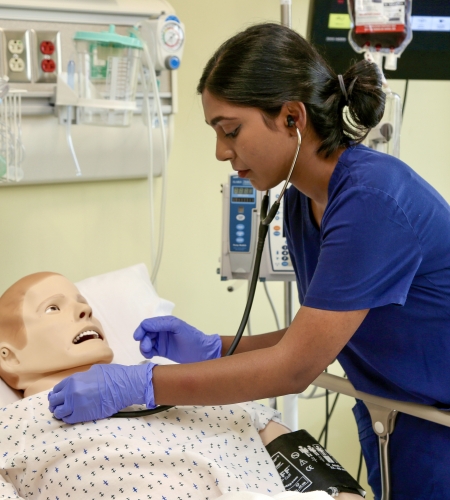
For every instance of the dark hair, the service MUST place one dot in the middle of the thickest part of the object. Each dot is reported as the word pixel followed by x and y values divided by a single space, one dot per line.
pixel 268 65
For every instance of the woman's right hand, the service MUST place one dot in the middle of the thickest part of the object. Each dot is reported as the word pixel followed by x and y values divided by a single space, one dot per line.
pixel 172 338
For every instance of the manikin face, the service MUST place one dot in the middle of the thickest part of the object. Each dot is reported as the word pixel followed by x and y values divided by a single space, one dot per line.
pixel 258 153
pixel 61 332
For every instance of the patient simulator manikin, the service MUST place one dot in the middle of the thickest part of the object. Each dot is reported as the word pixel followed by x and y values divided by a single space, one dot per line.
pixel 48 332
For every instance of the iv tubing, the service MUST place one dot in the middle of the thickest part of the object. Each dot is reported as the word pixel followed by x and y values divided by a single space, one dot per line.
pixel 71 84
pixel 164 167
pixel 146 107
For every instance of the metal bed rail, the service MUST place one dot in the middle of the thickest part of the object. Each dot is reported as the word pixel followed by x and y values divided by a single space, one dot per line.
pixel 383 412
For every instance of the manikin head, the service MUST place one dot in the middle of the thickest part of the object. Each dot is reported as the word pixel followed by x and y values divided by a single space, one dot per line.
pixel 47 332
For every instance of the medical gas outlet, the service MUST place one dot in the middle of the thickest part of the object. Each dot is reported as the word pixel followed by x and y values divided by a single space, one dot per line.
pixel 167 36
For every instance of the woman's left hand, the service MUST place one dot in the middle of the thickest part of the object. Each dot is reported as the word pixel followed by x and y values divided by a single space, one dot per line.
pixel 102 391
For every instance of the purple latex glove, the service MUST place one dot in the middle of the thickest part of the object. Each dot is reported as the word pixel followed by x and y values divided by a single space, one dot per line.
pixel 101 391
pixel 172 338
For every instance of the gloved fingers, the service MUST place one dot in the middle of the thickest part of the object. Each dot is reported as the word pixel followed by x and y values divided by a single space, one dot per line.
pixel 139 333
pixel 147 344
pixel 55 399
pixel 63 412
pixel 60 386
pixel 164 324
pixel 50 407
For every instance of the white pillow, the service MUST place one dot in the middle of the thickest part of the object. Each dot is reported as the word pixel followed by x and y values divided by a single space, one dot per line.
pixel 120 300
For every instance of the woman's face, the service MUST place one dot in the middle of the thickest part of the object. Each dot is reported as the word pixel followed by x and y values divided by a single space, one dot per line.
pixel 258 153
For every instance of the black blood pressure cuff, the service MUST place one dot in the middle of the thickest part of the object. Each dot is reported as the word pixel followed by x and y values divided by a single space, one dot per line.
pixel 304 465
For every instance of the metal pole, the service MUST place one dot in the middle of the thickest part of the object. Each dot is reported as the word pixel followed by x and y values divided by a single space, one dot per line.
pixel 287 303
pixel 290 402
pixel 286 13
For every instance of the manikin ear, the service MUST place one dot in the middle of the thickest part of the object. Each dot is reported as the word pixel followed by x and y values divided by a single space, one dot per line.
pixel 8 360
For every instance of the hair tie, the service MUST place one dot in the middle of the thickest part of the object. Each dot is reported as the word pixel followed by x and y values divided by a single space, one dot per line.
pixel 341 83
pixel 350 87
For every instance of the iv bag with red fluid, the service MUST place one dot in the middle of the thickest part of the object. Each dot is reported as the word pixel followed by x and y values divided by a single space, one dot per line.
pixel 382 26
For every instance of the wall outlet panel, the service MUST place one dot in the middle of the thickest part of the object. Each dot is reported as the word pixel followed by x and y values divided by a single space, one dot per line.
pixel 48 56
pixel 17 52
pixel 104 153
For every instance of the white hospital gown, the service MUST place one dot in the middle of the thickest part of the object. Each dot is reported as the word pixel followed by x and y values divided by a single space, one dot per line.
pixel 186 452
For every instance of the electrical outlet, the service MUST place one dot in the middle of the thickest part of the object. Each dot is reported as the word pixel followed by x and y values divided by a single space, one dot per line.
pixel 48 56
pixel 16 65
pixel 17 49
pixel 15 46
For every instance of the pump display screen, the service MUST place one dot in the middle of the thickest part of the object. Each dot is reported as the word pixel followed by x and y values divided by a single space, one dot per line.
pixel 425 58
pixel 243 190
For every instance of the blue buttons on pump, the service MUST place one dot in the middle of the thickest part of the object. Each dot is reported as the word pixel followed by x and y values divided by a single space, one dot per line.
pixel 242 203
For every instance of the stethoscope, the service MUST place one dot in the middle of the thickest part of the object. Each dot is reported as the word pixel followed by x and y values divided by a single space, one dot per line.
pixel 265 220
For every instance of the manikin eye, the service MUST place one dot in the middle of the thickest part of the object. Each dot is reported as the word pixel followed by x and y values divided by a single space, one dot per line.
pixel 51 309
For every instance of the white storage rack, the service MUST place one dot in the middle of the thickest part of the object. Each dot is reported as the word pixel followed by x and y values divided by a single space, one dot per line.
pixel 11 146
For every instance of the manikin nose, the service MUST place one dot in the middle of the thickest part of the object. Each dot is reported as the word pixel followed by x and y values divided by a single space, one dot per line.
pixel 84 311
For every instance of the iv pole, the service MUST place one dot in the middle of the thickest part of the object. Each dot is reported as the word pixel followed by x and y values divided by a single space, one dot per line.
pixel 290 402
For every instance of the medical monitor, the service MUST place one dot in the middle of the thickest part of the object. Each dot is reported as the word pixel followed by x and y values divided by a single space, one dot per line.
pixel 427 57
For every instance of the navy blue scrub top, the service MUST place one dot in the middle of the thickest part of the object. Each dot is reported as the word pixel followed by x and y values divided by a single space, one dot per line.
pixel 384 245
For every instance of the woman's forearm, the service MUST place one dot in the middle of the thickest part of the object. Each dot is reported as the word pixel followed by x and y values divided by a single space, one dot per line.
pixel 254 342
pixel 271 365
pixel 242 377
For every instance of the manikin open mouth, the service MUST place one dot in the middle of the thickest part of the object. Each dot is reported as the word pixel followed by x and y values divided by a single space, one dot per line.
pixel 86 335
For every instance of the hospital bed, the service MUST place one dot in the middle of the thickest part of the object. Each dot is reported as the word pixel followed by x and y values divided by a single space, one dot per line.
pixel 121 299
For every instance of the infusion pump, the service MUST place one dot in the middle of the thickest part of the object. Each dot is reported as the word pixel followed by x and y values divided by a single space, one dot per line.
pixel 240 222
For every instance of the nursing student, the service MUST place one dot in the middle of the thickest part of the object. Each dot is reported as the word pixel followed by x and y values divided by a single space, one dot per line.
pixel 370 243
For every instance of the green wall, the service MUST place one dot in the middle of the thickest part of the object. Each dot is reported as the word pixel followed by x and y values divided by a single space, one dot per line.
pixel 81 230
